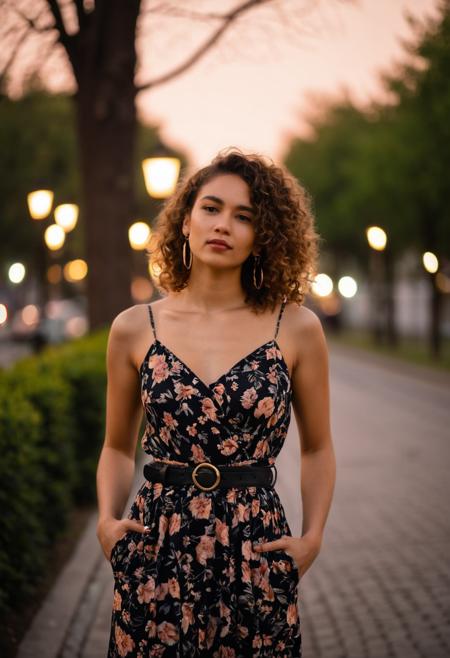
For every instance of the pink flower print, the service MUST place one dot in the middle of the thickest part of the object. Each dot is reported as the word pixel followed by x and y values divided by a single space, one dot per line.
pixel 192 429
pixel 249 397
pixel 124 642
pixel 272 420
pixel 184 391
pixel 174 588
pixel 255 506
pixel 167 633
pixel 188 616
pixel 160 370
pixel 176 368
pixel 169 420
pixel 163 524
pixel 205 549
pixel 243 512
pixel 197 454
pixel 246 572
pixel 247 551
pixel 265 407
pixel 211 631
pixel 267 518
pixel 150 628
pixel 214 430
pixel 174 523
pixel 231 495
pixel 272 375
pixel 146 592
pixel 164 434
pixel 261 448
pixel 228 446
pixel 272 352
pixel 117 602
pixel 209 409
pixel 222 532
pixel 234 386
pixel 200 507
pixel 292 613
pixel 226 652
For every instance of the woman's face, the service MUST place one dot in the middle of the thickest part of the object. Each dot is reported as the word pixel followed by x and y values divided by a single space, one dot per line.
pixel 222 211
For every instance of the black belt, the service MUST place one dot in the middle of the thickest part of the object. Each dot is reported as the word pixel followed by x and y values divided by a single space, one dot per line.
pixel 207 476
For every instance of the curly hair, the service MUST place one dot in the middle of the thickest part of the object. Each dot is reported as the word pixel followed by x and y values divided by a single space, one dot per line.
pixel 284 230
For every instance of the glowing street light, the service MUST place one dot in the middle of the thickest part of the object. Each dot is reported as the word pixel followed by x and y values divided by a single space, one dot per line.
pixel 139 235
pixel 161 175
pixel 40 203
pixel 376 237
pixel 322 285
pixel 54 237
pixel 66 216
pixel 430 262
pixel 16 273
pixel 347 286
pixel 75 270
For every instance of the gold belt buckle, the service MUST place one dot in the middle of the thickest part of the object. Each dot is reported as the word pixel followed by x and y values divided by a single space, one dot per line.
pixel 214 469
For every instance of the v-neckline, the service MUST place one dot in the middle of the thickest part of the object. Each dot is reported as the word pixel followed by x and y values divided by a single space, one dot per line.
pixel 210 386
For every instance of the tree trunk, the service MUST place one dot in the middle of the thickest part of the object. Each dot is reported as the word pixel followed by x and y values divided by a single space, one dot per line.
pixel 106 122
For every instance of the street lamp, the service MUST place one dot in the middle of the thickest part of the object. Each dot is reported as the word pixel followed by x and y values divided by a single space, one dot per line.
pixel 66 216
pixel 161 171
pixel 40 203
pixel 377 240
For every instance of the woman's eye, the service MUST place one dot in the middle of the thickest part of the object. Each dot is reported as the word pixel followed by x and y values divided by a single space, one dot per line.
pixel 209 208
pixel 245 217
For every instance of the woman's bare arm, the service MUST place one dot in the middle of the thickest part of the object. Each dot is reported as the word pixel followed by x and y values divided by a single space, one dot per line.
pixel 115 470
pixel 311 403
pixel 310 400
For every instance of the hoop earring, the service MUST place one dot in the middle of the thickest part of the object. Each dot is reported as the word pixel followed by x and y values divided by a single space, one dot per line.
pixel 254 274
pixel 186 238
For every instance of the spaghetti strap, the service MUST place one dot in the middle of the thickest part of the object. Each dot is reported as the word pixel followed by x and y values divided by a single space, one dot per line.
pixel 152 319
pixel 283 304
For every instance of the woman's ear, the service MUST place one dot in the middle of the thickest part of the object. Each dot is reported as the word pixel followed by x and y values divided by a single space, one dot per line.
pixel 186 224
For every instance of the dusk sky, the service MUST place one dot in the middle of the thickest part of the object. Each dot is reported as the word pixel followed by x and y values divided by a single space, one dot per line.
pixel 256 86
pixel 253 89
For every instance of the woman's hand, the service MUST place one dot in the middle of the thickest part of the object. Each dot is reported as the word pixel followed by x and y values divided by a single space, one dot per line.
pixel 109 531
pixel 303 550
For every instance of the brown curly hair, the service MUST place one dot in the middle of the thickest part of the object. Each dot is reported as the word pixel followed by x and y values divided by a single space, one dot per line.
pixel 284 226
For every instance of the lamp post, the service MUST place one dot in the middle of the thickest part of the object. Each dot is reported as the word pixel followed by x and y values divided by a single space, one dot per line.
pixel 377 240
pixel 161 171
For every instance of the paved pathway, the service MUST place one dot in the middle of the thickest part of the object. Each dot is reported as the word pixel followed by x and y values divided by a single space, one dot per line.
pixel 380 587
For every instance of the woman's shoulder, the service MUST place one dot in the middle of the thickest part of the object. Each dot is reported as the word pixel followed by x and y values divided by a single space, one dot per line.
pixel 302 322
pixel 130 321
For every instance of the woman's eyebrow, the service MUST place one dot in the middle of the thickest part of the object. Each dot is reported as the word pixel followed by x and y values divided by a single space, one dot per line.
pixel 220 201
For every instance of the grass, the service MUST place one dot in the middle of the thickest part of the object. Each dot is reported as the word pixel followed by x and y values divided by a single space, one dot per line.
pixel 410 349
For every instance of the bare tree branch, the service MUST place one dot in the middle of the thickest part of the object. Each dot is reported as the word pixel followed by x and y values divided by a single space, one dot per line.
pixel 13 54
pixel 31 22
pixel 65 39
pixel 228 19
pixel 81 14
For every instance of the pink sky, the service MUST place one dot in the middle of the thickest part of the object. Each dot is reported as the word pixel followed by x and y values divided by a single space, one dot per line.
pixel 253 89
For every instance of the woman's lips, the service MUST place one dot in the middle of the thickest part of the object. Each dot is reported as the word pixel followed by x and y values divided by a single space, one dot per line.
pixel 218 245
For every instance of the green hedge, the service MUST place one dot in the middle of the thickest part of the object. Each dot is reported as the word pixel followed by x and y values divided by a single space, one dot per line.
pixel 52 415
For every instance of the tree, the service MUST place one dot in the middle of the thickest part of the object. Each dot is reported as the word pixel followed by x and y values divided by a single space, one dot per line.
pixel 98 39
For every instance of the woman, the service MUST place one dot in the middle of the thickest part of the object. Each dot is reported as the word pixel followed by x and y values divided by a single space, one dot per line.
pixel 205 563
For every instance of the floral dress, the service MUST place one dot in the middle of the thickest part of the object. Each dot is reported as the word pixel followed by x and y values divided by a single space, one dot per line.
pixel 193 586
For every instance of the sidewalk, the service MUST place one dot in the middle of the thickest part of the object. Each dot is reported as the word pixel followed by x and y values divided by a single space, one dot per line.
pixel 380 587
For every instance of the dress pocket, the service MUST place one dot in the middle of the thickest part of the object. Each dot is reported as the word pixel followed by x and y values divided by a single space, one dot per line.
pixel 113 554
